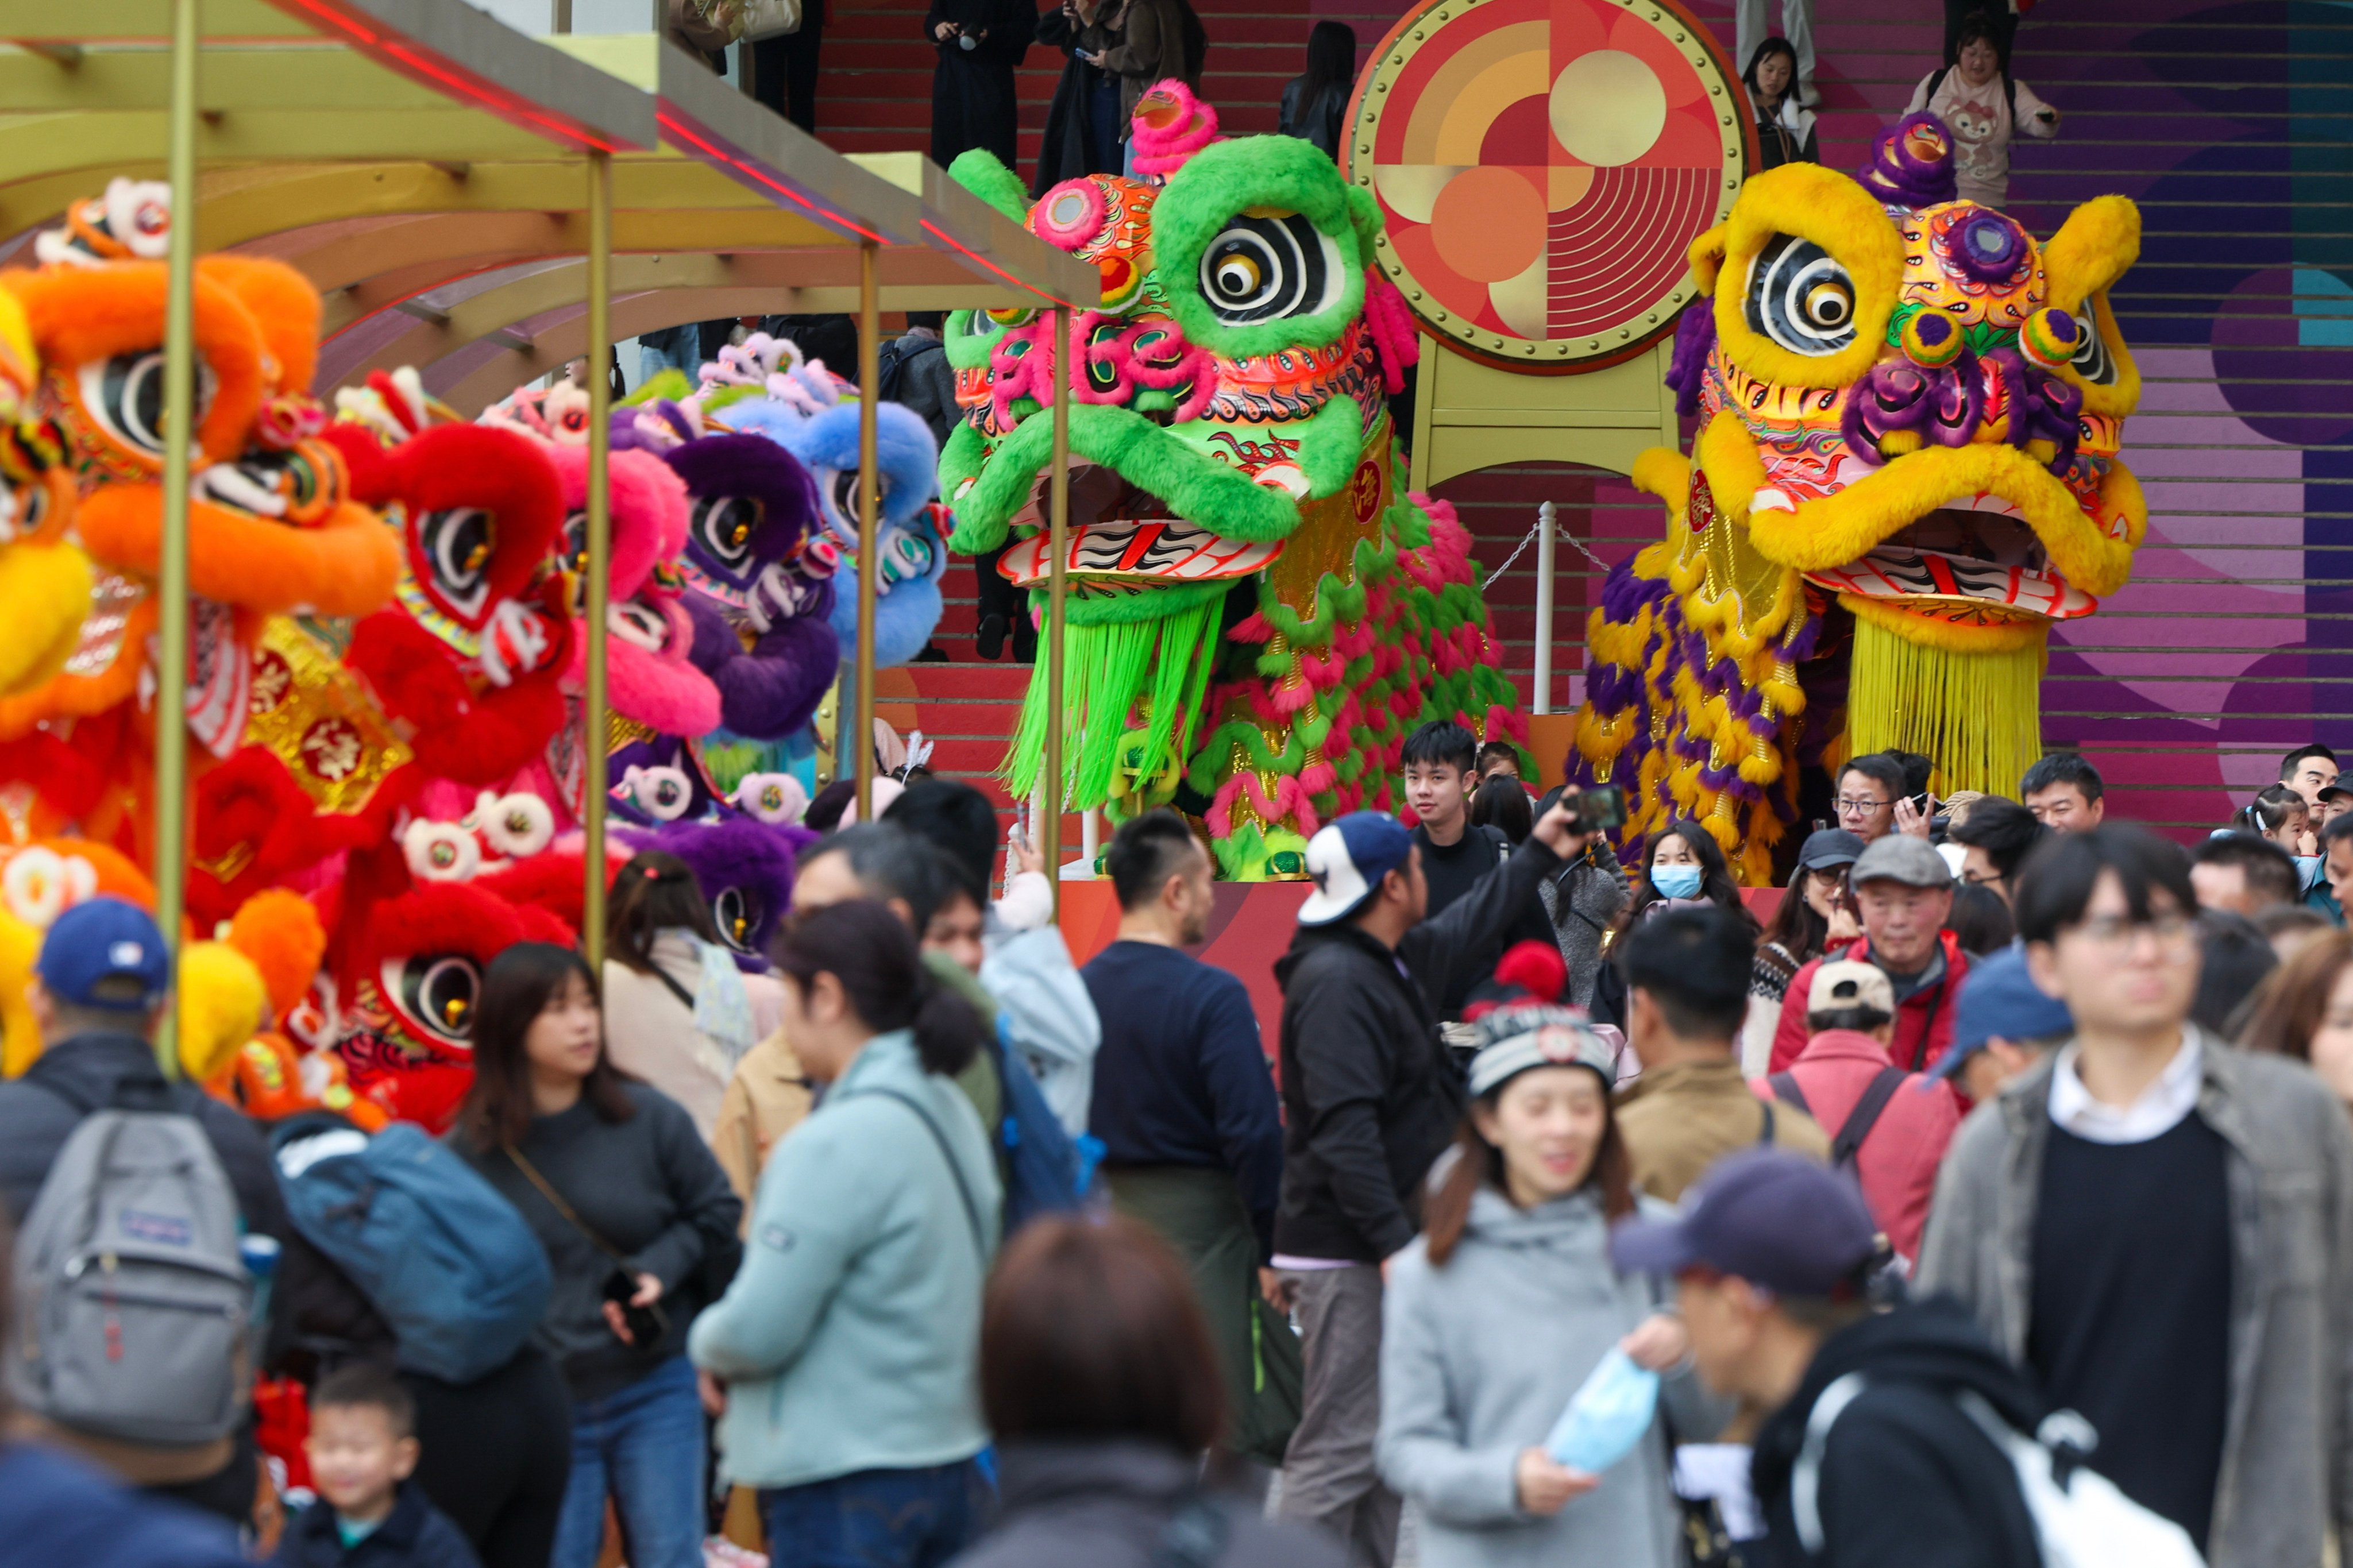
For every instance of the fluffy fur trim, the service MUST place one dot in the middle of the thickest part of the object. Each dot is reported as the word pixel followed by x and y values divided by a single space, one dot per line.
pixel 1231 177
pixel 279 931
pixel 44 592
pixel 347 566
pixel 458 918
pixel 769 692
pixel 1666 473
pixel 648 510
pixel 1825 206
pixel 552 884
pixel 223 1001
pixel 20 1036
pixel 756 468
pixel 2121 396
pixel 477 737
pixel 983 174
pixel 2097 244
pixel 739 856
pixel 663 691
pixel 904 621
pixel 284 305
pixel 904 451
pixel 366 460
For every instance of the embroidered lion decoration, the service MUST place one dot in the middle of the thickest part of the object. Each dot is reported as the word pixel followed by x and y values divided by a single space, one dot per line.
pixel 1905 472
pixel 1258 614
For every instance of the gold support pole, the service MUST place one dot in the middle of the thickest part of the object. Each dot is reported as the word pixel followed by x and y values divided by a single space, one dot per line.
pixel 860 733
pixel 172 574
pixel 592 720
pixel 1058 529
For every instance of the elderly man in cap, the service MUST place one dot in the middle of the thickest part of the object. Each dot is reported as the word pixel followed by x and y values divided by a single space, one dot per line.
pixel 1903 890
pixel 1886 1125
pixel 1370 1097
pixel 1868 1458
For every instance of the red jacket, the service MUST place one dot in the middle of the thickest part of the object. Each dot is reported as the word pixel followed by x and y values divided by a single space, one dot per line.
pixel 1898 1160
pixel 1924 1020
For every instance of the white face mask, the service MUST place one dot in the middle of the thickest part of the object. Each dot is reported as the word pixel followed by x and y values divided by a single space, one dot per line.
pixel 1676 881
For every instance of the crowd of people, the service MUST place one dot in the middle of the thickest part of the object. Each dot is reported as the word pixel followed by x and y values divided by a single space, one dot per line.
pixel 1571 1208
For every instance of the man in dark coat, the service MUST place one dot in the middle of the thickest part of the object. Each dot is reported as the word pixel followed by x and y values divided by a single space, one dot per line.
pixel 973 102
pixel 1371 1098
pixel 1082 123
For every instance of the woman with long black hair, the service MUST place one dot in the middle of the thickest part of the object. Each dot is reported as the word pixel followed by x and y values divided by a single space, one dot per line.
pixel 1314 103
pixel 844 1355
pixel 639 1226
pixel 1683 864
pixel 1785 127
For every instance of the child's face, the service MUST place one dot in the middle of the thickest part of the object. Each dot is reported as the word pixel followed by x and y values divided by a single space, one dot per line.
pixel 357 1458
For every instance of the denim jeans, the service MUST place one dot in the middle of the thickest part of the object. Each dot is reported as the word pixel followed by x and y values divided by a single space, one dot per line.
pixel 875 1519
pixel 644 1448
pixel 671 347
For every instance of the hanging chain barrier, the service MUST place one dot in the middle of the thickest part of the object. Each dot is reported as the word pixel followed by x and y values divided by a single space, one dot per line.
pixel 1560 531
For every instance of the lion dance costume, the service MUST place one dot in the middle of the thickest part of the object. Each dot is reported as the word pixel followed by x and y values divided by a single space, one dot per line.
pixel 1905 471
pixel 1258 614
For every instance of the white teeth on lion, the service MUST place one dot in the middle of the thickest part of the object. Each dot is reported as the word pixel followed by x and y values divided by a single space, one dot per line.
pixel 1285 477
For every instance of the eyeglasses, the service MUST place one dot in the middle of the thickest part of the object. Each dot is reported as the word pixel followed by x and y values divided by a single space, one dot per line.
pixel 1859 805
pixel 2117 932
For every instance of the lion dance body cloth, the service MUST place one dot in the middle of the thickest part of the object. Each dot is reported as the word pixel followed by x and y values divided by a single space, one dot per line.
pixel 1259 613
pixel 1905 471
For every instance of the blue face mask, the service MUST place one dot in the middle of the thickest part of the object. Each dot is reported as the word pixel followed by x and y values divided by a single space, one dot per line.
pixel 2307 870
pixel 1676 881
pixel 1607 1417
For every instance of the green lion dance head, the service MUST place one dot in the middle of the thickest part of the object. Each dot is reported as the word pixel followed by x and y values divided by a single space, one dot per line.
pixel 1257 614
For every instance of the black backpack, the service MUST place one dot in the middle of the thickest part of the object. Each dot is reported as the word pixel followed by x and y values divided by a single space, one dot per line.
pixel 2009 88
pixel 1847 1142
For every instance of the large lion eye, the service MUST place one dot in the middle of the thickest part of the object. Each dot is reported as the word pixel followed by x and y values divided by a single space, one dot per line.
pixel 2093 361
pixel 438 993
pixel 737 915
pixel 125 395
pixel 664 793
pixel 458 543
pixel 724 526
pixel 845 497
pixel 1259 269
pixel 1800 297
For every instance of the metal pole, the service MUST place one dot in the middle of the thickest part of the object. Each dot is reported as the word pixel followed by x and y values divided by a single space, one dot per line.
pixel 1543 607
pixel 1058 528
pixel 592 720
pixel 869 547
pixel 172 570
pixel 1090 840
pixel 561 20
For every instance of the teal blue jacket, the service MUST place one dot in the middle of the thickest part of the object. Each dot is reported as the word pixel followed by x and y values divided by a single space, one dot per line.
pixel 849 1339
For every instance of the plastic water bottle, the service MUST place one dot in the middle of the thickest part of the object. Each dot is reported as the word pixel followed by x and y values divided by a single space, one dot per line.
pixel 259 1254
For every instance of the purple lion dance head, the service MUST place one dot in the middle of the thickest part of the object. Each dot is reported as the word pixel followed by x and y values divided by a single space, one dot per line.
pixel 1912 166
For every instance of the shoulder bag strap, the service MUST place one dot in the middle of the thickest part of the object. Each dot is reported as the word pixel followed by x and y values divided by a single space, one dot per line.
pixel 555 1199
pixel 680 991
pixel 1765 1137
pixel 1866 1114
pixel 955 1173
pixel 1194 1537
pixel 1785 1089
pixel 1806 1475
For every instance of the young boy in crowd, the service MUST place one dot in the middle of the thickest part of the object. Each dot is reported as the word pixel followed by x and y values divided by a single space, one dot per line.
pixel 362 1448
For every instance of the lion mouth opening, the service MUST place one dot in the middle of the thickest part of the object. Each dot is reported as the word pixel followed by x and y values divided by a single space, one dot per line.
pixel 1977 551
pixel 1123 537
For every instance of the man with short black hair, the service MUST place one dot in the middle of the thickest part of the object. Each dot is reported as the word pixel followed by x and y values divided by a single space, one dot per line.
pixel 1869 787
pixel 2335 884
pixel 1183 1103
pixel 2243 873
pixel 1996 838
pixel 1903 894
pixel 2065 793
pixel 1371 1098
pixel 2160 1228
pixel 1686 993
pixel 2308 770
pixel 1769 1256
pixel 98 993
pixel 1438 762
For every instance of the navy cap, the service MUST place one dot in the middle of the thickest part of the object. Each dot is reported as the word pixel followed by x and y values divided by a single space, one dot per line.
pixel 99 939
pixel 1829 846
pixel 1999 998
pixel 1792 1225
pixel 1347 858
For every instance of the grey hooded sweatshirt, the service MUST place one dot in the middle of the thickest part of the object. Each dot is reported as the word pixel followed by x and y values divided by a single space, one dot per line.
pixel 1478 1360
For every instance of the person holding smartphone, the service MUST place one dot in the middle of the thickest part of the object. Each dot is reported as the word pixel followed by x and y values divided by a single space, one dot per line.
pixel 1984 106
pixel 640 1227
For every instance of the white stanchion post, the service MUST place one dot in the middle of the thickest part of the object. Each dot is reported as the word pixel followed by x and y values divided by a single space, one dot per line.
pixel 1545 542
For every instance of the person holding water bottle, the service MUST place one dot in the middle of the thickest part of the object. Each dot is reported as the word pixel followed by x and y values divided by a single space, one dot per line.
pixel 1520 1371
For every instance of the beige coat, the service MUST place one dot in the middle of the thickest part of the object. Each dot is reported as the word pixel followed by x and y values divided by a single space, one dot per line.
pixel 650 1033
pixel 1678 1120
pixel 767 1097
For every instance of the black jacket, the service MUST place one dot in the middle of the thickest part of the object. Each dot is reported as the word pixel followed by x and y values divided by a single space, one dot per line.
pixel 1067 150
pixel 1370 1096
pixel 97 1071
pixel 1318 120
pixel 416 1535
pixel 1107 1505
pixel 1905 1476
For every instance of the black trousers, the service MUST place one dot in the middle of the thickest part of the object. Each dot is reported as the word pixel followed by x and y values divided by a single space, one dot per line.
pixel 997 596
pixel 498 1455
pixel 783 70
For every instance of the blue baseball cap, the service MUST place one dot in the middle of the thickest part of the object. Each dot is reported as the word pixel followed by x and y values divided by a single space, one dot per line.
pixel 1347 860
pixel 1792 1225
pixel 1998 998
pixel 100 939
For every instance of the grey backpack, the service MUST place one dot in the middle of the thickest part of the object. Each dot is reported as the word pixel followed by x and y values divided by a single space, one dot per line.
pixel 133 1306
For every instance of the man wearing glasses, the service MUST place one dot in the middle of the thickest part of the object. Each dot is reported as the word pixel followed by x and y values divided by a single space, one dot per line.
pixel 1872 803
pixel 2159 1228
